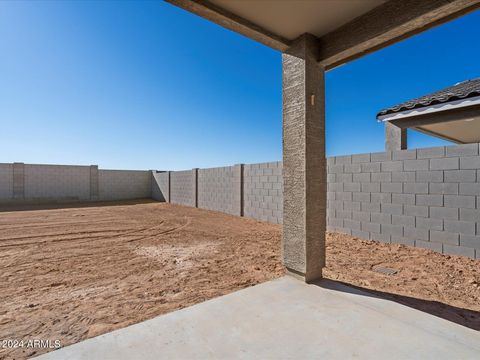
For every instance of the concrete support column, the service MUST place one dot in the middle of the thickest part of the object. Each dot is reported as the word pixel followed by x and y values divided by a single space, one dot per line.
pixel 18 180
pixel 395 137
pixel 195 187
pixel 94 189
pixel 304 162
pixel 238 196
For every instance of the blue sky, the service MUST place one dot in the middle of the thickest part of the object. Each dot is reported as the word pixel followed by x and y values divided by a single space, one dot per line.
pixel 145 85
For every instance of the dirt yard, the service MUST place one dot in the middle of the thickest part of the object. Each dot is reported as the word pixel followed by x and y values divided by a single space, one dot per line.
pixel 73 273
pixel 445 286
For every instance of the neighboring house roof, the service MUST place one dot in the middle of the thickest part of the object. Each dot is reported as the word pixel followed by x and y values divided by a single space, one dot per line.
pixel 463 90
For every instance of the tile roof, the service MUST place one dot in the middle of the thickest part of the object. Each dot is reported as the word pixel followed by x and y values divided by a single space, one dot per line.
pixel 461 90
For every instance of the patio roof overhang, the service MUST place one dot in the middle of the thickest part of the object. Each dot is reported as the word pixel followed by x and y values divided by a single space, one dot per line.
pixel 452 113
pixel 345 29
pixel 458 124
pixel 315 36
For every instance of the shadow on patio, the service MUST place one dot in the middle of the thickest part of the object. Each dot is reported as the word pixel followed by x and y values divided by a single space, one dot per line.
pixel 464 317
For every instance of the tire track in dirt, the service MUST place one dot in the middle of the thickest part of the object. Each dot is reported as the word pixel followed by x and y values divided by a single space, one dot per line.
pixel 35 226
pixel 100 235
pixel 81 279
pixel 165 232
pixel 85 232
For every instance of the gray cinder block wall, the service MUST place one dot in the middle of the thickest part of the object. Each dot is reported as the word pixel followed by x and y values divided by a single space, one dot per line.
pixel 57 182
pixel 6 181
pixel 18 180
pixel 124 184
pixel 94 179
pixel 219 189
pixel 263 191
pixel 32 183
pixel 182 187
pixel 161 185
pixel 253 190
pixel 428 198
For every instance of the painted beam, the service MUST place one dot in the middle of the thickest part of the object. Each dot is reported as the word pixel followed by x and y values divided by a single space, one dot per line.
pixel 232 22
pixel 386 24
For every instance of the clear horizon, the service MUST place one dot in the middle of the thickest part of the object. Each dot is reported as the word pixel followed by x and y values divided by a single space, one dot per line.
pixel 146 85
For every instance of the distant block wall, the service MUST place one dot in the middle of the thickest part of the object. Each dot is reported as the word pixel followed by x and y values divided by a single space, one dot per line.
pixel 57 182
pixel 161 185
pixel 182 187
pixel 263 191
pixel 32 182
pixel 124 184
pixel 219 189
pixel 253 191
pixel 6 181
pixel 427 198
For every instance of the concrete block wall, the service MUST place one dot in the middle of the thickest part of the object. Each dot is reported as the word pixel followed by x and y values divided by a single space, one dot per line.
pixel 253 190
pixel 124 184
pixel 18 181
pixel 161 185
pixel 182 187
pixel 94 180
pixel 6 181
pixel 263 191
pixel 56 182
pixel 21 182
pixel 219 189
pixel 428 198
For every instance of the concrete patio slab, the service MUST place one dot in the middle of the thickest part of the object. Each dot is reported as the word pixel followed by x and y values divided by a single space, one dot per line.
pixel 286 319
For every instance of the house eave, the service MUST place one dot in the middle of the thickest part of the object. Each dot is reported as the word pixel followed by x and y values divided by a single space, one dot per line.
pixel 451 105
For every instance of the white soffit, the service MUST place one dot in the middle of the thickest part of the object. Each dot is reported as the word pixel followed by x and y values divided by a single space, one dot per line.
pixel 463 131
pixel 431 109
pixel 292 18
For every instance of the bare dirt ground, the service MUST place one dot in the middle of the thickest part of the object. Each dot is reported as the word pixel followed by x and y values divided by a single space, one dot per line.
pixel 74 273
pixel 445 286
pixel 71 274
